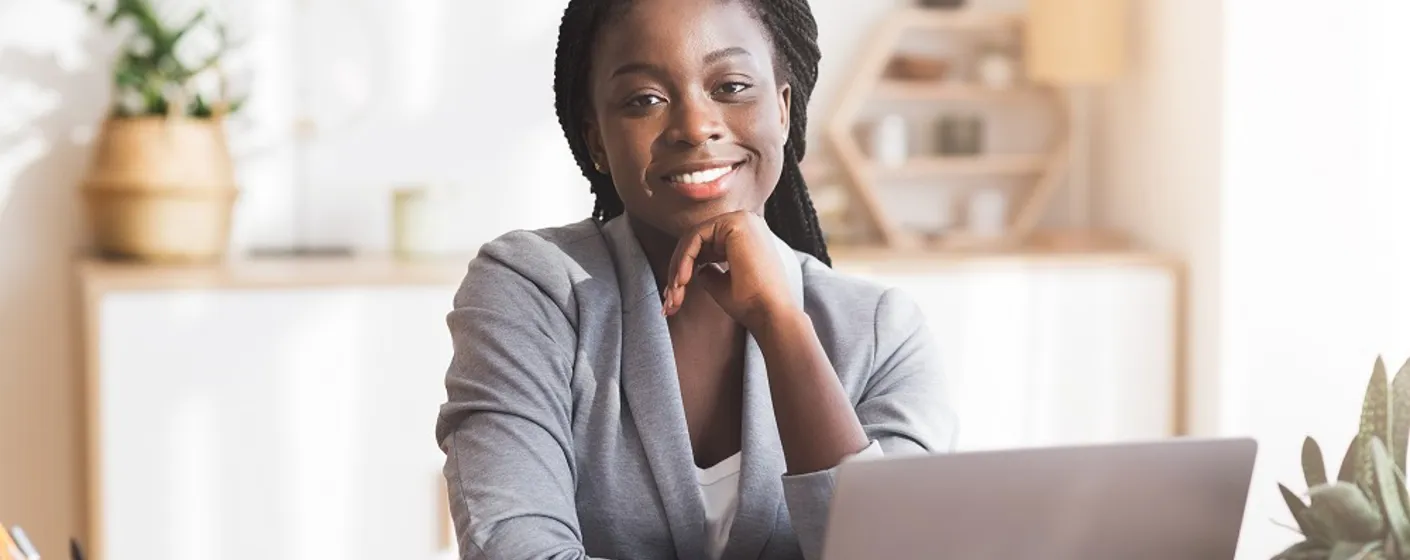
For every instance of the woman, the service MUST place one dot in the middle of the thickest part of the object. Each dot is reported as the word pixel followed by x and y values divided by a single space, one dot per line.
pixel 679 376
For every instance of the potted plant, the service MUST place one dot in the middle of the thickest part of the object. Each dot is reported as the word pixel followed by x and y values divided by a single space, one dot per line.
pixel 1365 512
pixel 162 184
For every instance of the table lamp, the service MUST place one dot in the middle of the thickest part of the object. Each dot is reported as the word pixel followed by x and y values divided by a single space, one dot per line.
pixel 1077 45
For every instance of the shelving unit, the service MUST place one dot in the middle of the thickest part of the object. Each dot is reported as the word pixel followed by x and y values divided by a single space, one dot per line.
pixel 993 164
pixel 1040 171
pixel 901 90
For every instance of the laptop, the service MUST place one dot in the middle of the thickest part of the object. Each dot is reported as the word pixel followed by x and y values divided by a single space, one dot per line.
pixel 1176 499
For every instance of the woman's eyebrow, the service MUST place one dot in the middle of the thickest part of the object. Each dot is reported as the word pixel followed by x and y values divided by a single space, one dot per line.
pixel 724 53
pixel 638 68
pixel 656 70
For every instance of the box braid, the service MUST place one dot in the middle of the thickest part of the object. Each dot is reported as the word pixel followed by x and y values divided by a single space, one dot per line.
pixel 794 35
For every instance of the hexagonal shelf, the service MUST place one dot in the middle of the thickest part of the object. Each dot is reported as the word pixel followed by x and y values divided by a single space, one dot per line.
pixel 870 81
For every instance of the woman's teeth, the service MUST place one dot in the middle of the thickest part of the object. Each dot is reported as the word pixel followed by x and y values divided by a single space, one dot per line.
pixel 700 176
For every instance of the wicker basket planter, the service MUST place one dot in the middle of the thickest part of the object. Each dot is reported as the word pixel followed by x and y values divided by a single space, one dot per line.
pixel 162 189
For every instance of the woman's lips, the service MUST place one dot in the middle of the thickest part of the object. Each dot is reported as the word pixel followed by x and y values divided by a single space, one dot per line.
pixel 706 184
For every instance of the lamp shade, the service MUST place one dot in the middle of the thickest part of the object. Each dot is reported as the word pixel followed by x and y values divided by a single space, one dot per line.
pixel 1076 42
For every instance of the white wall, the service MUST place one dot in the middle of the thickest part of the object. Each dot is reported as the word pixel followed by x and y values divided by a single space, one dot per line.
pixel 1271 158
pixel 1316 260
pixel 460 93
pixel 1158 163
pixel 52 87
pixel 405 94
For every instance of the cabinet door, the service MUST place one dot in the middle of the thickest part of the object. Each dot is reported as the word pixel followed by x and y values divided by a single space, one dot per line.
pixel 1050 355
pixel 272 424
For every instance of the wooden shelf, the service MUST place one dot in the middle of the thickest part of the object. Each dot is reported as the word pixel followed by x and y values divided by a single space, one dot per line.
pixel 99 275
pixel 870 81
pixel 854 256
pixel 999 164
pixel 961 20
pixel 939 91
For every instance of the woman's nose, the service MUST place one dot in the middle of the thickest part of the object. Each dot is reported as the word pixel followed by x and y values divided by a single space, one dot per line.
pixel 696 121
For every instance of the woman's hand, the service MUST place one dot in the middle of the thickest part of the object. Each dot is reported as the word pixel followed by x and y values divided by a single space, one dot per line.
pixel 817 425
pixel 750 286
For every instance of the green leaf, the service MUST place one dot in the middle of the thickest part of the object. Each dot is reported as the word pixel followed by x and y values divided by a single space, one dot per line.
pixel 194 21
pixel 147 22
pixel 1375 408
pixel 185 74
pixel 1390 547
pixel 1401 487
pixel 1351 550
pixel 1356 465
pixel 1299 513
pixel 1393 508
pixel 1314 468
pixel 1346 513
pixel 1305 550
pixel 1400 414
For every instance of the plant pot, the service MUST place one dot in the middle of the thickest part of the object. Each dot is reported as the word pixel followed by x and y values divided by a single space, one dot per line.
pixel 162 189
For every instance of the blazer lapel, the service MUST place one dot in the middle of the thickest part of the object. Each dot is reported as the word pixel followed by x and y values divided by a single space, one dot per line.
pixel 761 476
pixel 652 389
pixel 653 392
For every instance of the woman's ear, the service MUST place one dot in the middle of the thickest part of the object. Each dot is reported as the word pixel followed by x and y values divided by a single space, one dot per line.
pixel 785 104
pixel 592 135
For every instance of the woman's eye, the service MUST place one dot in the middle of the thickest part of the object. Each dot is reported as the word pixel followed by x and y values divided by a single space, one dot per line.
pixel 734 87
pixel 646 100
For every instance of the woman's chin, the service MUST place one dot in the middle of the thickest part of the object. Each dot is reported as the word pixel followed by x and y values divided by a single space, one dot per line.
pixel 681 216
pixel 691 218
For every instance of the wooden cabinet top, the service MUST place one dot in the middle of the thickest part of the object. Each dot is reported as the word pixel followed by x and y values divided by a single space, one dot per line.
pixel 97 275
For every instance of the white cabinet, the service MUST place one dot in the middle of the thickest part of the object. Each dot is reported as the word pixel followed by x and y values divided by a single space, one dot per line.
pixel 272 423
pixel 286 412
pixel 1049 353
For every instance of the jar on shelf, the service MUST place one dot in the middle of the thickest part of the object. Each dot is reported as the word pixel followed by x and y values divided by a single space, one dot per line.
pixel 961 135
pixel 988 212
pixel 418 221
pixel 996 68
pixel 890 145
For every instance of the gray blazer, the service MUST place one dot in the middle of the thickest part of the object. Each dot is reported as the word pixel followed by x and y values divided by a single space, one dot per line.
pixel 564 429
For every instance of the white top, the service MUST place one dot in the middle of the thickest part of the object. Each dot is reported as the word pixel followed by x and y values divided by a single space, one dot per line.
pixel 719 492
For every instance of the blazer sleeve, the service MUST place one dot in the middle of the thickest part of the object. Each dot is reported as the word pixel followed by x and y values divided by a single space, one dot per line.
pixel 505 428
pixel 904 409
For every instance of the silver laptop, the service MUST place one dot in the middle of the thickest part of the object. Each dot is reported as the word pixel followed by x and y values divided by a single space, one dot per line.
pixel 1174 499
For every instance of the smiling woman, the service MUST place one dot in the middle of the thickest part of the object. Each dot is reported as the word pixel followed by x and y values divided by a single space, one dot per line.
pixel 680 375
pixel 755 63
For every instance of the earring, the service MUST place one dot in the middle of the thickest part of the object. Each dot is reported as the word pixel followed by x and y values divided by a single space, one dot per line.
pixel 598 166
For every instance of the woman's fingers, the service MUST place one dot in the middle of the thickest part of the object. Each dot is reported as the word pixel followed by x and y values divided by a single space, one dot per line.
pixel 695 246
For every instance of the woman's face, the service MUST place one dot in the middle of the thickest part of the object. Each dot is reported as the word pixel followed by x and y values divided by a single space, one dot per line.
pixel 687 114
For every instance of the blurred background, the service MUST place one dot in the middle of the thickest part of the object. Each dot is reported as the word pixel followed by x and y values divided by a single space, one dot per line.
pixel 230 232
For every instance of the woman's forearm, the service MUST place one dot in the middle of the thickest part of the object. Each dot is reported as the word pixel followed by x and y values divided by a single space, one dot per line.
pixel 816 422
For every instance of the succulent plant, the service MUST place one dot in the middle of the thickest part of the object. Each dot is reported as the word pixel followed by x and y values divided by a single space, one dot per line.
pixel 1363 514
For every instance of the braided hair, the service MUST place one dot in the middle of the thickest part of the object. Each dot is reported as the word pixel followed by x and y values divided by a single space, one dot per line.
pixel 793 33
